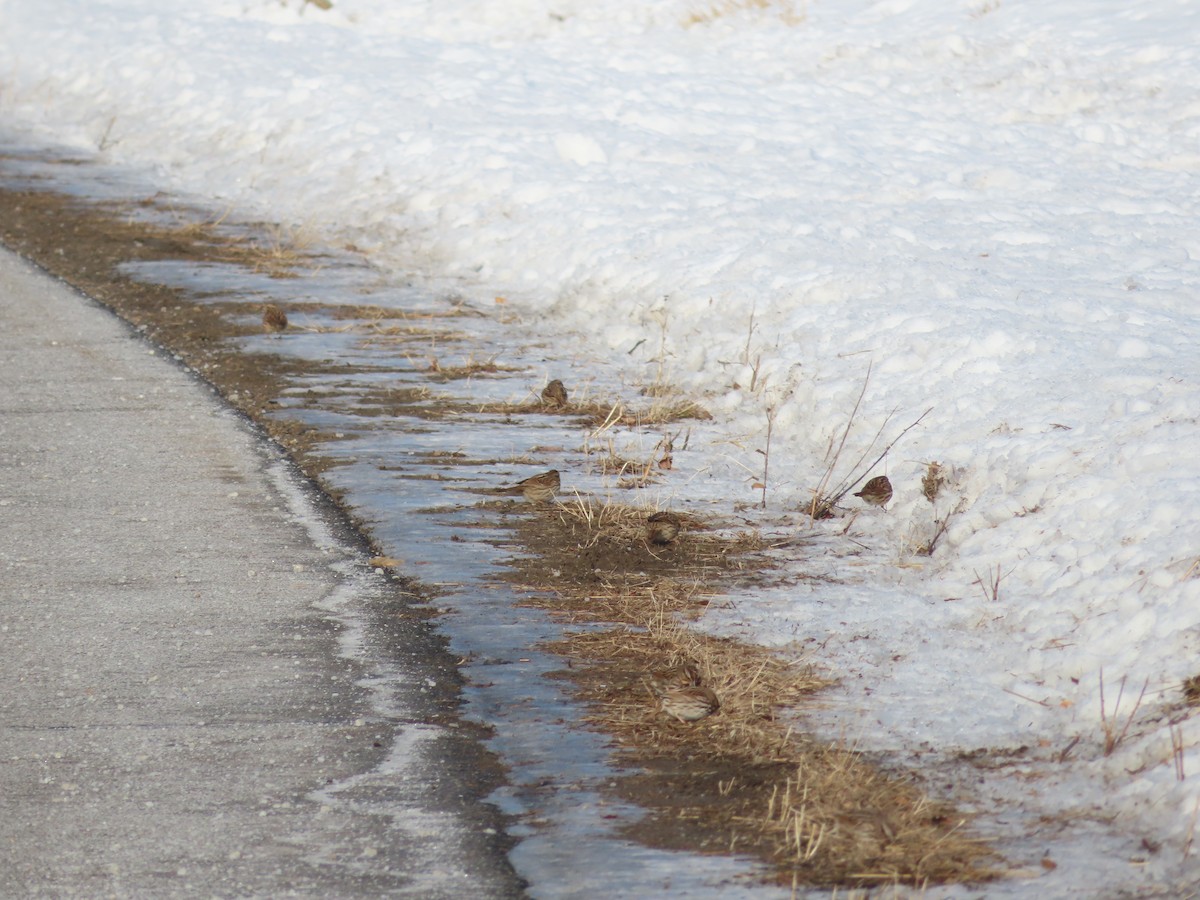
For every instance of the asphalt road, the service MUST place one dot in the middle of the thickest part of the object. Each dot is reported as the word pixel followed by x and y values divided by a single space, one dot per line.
pixel 205 689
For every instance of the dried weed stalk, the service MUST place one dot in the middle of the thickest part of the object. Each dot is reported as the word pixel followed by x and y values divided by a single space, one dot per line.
pixel 825 498
pixel 991 586
pixel 1177 747
pixel 766 455
pixel 1109 723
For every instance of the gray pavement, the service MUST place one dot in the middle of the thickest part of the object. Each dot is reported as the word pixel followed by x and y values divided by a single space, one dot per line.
pixel 203 689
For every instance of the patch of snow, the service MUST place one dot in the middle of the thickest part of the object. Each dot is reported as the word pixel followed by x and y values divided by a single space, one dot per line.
pixel 994 205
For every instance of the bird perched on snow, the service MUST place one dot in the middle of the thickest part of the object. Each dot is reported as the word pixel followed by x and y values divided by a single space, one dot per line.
pixel 877 491
pixel 274 319
pixel 663 527
pixel 537 488
pixel 554 394
pixel 689 704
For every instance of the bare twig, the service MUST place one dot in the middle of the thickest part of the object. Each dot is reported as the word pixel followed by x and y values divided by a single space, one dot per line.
pixel 1191 834
pixel 939 529
pixel 766 454
pixel 1177 748
pixel 845 433
pixel 104 143
pixel 823 499
pixel 1113 738
pixel 1066 751
pixel 1042 703
pixel 885 452
pixel 991 588
pixel 754 380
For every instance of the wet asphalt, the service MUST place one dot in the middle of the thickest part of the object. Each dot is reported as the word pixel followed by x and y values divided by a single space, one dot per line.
pixel 207 691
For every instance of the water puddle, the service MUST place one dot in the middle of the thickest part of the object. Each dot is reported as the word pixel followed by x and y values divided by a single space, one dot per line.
pixel 406 466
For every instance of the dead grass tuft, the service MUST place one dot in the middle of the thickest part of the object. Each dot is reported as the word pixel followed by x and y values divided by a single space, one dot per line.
pixel 828 493
pixel 752 684
pixel 600 415
pixel 844 821
pixel 789 12
pixel 468 368
pixel 277 250
pixel 933 481
pixel 661 411
pixel 629 473
pixel 740 779
pixel 1110 723
pixel 1191 690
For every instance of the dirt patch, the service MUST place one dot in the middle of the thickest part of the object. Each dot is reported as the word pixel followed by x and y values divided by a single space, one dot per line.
pixel 735 781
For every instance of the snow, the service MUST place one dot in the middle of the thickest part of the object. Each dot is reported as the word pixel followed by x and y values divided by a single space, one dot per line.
pixel 992 205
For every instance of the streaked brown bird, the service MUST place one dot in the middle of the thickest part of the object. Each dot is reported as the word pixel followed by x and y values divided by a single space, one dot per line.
pixel 877 491
pixel 274 319
pixel 554 394
pixel 689 704
pixel 681 676
pixel 663 527
pixel 537 488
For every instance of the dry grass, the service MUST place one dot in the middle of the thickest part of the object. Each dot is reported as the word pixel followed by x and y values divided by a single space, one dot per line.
pixel 280 251
pixel 601 415
pixel 629 473
pixel 1114 733
pixel 752 683
pixel 468 368
pixel 604 414
pixel 741 779
pixel 933 481
pixel 1191 690
pixel 789 12
pixel 277 250
pixel 374 316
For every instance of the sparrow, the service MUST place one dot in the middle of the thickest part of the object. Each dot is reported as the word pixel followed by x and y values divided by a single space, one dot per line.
pixel 538 488
pixel 681 676
pixel 554 394
pixel 689 704
pixel 274 318
pixel 663 527
pixel 877 491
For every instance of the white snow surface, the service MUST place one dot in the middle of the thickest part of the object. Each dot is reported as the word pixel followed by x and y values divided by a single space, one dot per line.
pixel 994 205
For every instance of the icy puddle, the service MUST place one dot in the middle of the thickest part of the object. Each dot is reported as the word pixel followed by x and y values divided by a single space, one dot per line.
pixel 419 408
pixel 408 455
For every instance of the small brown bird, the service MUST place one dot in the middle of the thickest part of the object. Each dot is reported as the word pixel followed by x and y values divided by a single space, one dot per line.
pixel 554 394
pixel 877 491
pixel 274 318
pixel 663 527
pixel 690 704
pixel 538 488
pixel 681 676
